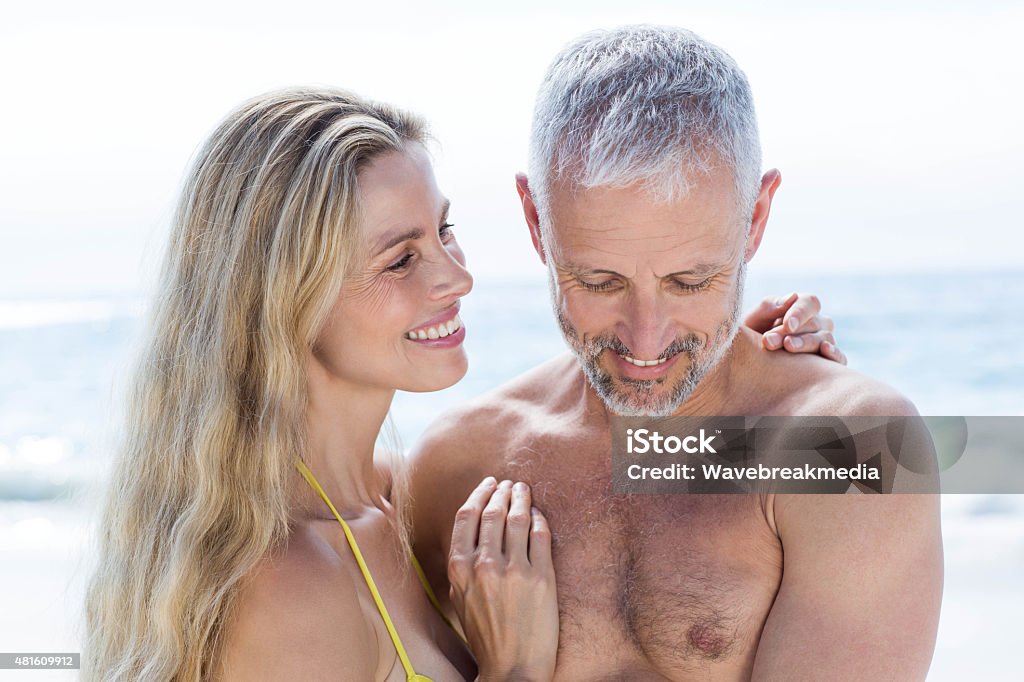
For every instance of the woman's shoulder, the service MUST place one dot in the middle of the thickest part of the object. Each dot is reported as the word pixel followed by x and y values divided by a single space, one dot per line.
pixel 298 616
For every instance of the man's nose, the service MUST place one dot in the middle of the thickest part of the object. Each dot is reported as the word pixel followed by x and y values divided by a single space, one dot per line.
pixel 645 326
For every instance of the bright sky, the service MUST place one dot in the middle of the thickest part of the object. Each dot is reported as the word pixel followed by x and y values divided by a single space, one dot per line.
pixel 897 131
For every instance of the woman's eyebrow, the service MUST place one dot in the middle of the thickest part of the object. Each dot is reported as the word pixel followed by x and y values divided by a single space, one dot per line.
pixel 395 238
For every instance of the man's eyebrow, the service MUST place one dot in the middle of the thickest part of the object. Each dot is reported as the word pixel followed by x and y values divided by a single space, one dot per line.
pixel 577 269
pixel 700 270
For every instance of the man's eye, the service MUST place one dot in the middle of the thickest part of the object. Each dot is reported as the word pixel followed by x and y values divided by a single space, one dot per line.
pixel 603 286
pixel 401 263
pixel 685 286
pixel 446 232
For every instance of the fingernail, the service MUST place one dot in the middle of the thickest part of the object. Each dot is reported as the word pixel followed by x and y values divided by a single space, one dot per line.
pixel 534 511
pixel 826 347
pixel 779 301
pixel 793 324
pixel 506 484
pixel 772 339
pixel 488 481
pixel 519 487
pixel 796 342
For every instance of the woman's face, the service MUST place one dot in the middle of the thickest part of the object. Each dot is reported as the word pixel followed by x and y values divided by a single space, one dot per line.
pixel 396 323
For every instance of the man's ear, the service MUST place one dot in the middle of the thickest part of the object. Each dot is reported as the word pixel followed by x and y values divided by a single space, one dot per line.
pixel 531 215
pixel 759 218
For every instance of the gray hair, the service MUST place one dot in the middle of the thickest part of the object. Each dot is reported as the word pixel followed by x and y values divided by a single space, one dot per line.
pixel 643 104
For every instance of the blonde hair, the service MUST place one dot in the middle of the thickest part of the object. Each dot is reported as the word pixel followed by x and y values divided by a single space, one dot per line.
pixel 265 230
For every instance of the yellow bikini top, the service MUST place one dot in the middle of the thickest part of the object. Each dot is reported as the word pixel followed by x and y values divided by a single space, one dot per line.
pixel 410 674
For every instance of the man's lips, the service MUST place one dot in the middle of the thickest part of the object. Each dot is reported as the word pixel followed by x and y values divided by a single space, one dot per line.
pixel 628 365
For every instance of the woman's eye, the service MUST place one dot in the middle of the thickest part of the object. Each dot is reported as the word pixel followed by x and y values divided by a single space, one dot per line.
pixel 401 263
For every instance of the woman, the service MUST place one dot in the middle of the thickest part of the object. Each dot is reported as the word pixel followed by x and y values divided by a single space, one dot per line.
pixel 309 250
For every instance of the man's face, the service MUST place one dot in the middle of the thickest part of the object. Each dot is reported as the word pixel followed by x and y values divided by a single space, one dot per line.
pixel 647 292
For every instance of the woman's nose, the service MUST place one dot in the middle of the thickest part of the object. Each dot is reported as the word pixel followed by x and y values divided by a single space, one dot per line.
pixel 452 278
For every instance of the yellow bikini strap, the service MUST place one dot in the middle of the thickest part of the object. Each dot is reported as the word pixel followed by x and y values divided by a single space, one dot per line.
pixel 406 664
pixel 433 598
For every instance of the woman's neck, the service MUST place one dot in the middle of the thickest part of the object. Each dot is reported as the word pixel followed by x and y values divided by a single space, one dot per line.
pixel 342 425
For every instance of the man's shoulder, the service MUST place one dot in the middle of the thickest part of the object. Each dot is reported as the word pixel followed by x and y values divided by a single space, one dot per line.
pixel 485 435
pixel 543 386
pixel 491 421
pixel 812 385
pixel 842 391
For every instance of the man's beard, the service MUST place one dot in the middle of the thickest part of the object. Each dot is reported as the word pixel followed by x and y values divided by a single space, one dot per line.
pixel 639 397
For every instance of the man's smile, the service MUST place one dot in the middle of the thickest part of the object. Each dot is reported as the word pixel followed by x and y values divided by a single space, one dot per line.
pixel 631 368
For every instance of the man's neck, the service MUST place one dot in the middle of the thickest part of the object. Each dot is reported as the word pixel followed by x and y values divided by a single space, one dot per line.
pixel 717 392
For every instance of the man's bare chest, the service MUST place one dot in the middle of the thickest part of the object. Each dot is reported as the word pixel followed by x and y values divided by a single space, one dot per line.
pixel 673 584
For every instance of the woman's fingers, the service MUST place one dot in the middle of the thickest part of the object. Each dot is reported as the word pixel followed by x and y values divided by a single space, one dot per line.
pixel 467 519
pixel 803 329
pixel 518 523
pixel 540 540
pixel 813 323
pixel 805 307
pixel 760 319
pixel 820 341
pixel 774 338
pixel 496 593
pixel 808 342
pixel 492 521
pixel 831 351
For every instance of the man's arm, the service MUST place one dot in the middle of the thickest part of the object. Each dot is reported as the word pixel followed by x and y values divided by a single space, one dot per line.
pixel 861 587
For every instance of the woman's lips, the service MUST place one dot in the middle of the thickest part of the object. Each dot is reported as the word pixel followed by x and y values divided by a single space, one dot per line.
pixel 443 331
pixel 450 341
pixel 437 328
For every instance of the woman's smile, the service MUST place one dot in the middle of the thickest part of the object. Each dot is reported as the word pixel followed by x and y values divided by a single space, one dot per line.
pixel 447 324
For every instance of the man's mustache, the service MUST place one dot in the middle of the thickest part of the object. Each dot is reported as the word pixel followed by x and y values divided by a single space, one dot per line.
pixel 688 344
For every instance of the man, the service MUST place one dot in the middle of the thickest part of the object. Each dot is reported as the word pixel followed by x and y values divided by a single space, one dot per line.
pixel 646 201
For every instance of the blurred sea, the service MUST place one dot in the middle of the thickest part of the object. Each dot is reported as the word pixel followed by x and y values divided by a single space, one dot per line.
pixel 952 342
